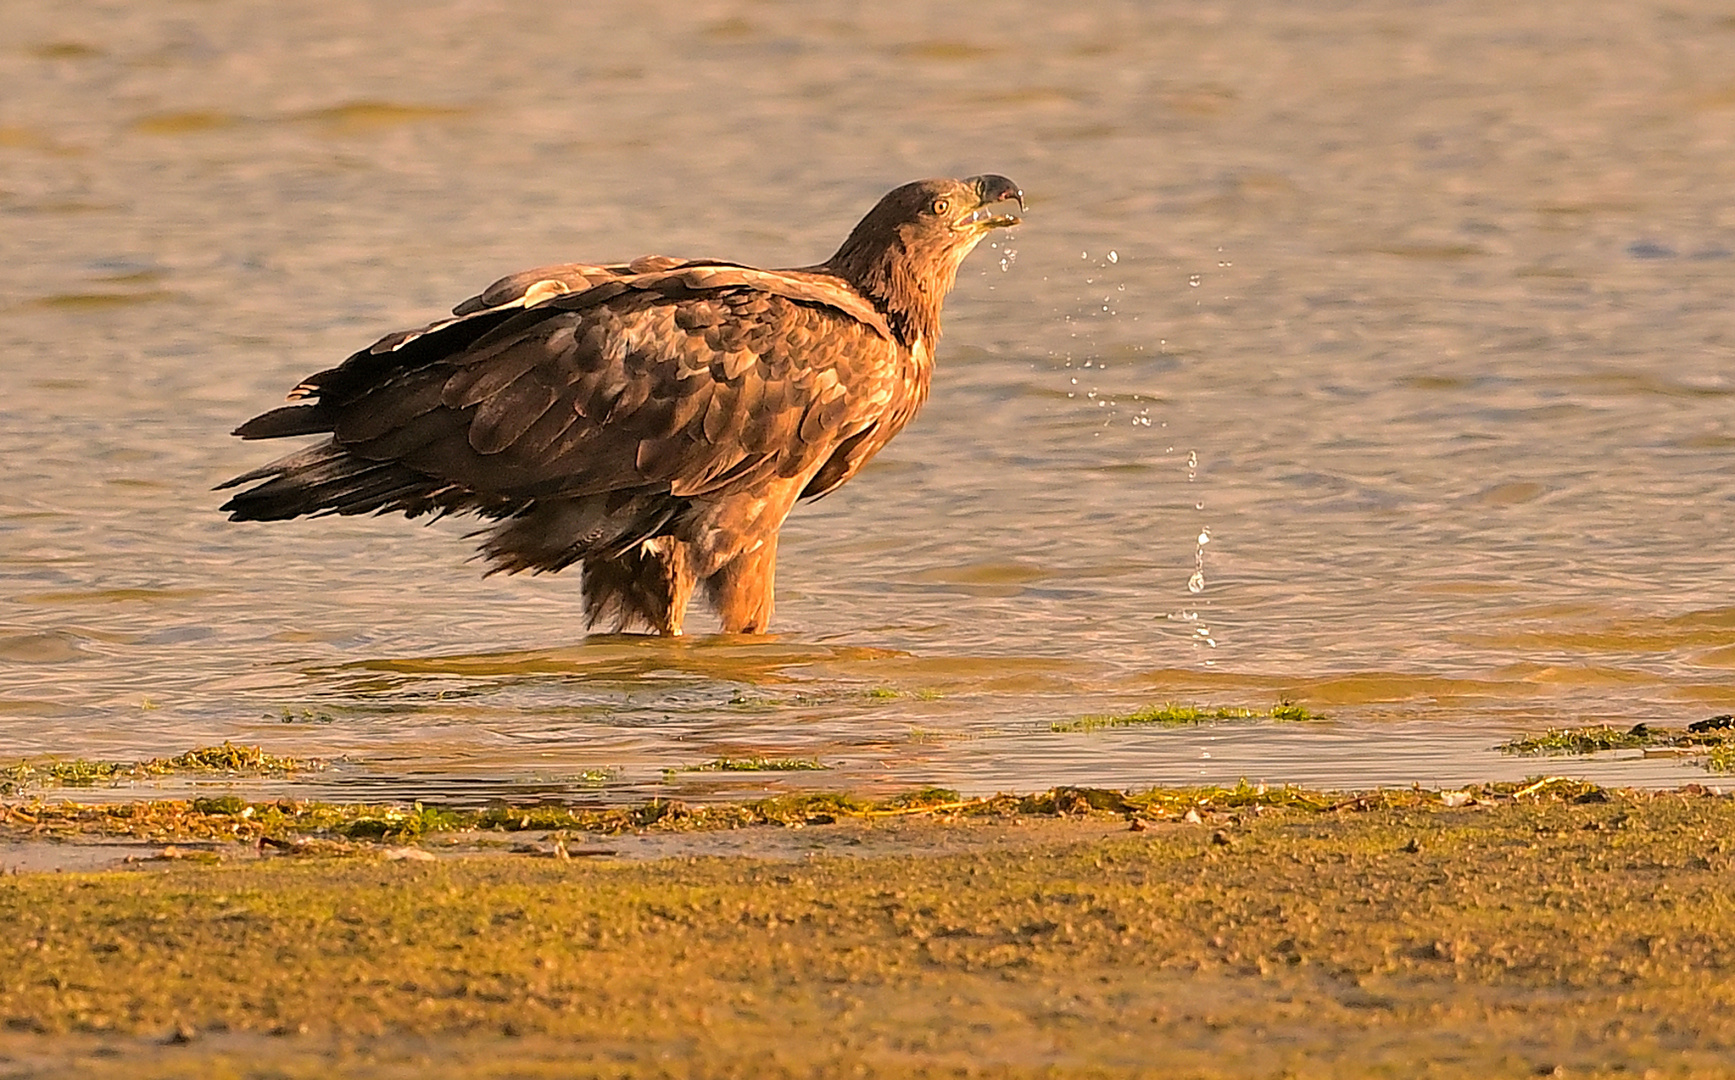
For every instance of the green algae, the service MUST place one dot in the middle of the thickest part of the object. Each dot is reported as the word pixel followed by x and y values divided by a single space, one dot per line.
pixel 1721 758
pixel 889 693
pixel 1170 714
pixel 287 823
pixel 1712 741
pixel 1531 932
pixel 227 758
pixel 1588 740
pixel 753 764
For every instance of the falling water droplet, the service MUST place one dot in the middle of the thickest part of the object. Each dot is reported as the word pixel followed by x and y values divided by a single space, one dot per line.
pixel 1196 583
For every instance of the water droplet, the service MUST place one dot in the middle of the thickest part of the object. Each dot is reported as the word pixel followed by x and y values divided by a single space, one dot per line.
pixel 1114 257
pixel 1204 537
pixel 1194 280
pixel 1196 583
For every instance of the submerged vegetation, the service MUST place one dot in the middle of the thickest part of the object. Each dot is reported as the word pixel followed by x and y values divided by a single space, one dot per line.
pixel 1170 714
pixel 228 758
pixel 1712 741
pixel 753 764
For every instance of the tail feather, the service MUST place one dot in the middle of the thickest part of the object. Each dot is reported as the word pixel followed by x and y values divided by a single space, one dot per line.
pixel 289 420
pixel 311 457
pixel 327 480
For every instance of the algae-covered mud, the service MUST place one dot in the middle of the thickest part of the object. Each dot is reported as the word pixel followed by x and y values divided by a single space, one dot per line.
pixel 1549 929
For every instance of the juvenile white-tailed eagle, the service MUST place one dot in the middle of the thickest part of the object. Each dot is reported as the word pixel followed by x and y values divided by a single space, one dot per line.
pixel 654 421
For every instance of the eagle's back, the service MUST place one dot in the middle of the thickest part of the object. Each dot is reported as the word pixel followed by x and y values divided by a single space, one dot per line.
pixel 694 381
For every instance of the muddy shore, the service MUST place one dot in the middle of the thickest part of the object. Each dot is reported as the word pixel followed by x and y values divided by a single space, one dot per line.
pixel 1558 929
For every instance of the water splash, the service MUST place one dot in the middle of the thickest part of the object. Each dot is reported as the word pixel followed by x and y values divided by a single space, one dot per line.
pixel 1098 303
pixel 1196 583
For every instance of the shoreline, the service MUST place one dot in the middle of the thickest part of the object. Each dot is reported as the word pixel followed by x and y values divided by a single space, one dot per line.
pixel 1554 928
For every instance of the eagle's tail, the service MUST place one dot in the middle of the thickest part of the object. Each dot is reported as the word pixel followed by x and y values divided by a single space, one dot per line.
pixel 326 479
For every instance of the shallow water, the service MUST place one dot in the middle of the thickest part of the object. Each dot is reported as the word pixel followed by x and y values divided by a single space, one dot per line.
pixel 1421 314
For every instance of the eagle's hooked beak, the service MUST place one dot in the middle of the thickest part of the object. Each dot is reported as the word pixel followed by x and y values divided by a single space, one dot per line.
pixel 991 189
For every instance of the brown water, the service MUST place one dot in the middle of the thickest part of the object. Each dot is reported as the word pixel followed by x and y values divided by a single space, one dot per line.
pixel 1423 313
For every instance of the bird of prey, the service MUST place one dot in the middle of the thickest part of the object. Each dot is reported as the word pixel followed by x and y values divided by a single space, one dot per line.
pixel 654 421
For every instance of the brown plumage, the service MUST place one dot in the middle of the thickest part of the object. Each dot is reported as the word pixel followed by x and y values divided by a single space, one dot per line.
pixel 654 421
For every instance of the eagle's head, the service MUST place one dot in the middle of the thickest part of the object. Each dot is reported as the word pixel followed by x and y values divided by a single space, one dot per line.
pixel 904 255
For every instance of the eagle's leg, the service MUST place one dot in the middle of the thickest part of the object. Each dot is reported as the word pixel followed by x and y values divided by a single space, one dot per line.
pixel 741 590
pixel 649 586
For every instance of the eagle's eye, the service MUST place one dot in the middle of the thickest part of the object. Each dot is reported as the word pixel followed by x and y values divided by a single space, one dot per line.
pixel 940 206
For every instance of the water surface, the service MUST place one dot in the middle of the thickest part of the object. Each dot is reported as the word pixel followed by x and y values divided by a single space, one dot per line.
pixel 1421 316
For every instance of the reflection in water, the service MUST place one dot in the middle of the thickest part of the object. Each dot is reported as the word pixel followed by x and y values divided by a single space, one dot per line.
pixel 615 659
pixel 1374 357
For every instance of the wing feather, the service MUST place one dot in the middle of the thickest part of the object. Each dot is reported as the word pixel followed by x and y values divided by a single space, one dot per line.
pixel 690 400
pixel 721 414
pixel 385 408
pixel 508 414
pixel 479 380
pixel 692 378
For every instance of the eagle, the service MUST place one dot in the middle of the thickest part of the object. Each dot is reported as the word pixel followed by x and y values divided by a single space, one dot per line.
pixel 652 421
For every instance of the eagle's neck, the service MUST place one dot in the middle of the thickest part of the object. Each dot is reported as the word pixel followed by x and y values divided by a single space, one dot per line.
pixel 906 287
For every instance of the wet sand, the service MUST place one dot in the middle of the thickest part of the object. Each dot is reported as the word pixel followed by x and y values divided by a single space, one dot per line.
pixel 1558 929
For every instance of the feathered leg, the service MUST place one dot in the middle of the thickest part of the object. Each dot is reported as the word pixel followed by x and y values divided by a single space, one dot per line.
pixel 741 591
pixel 649 586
